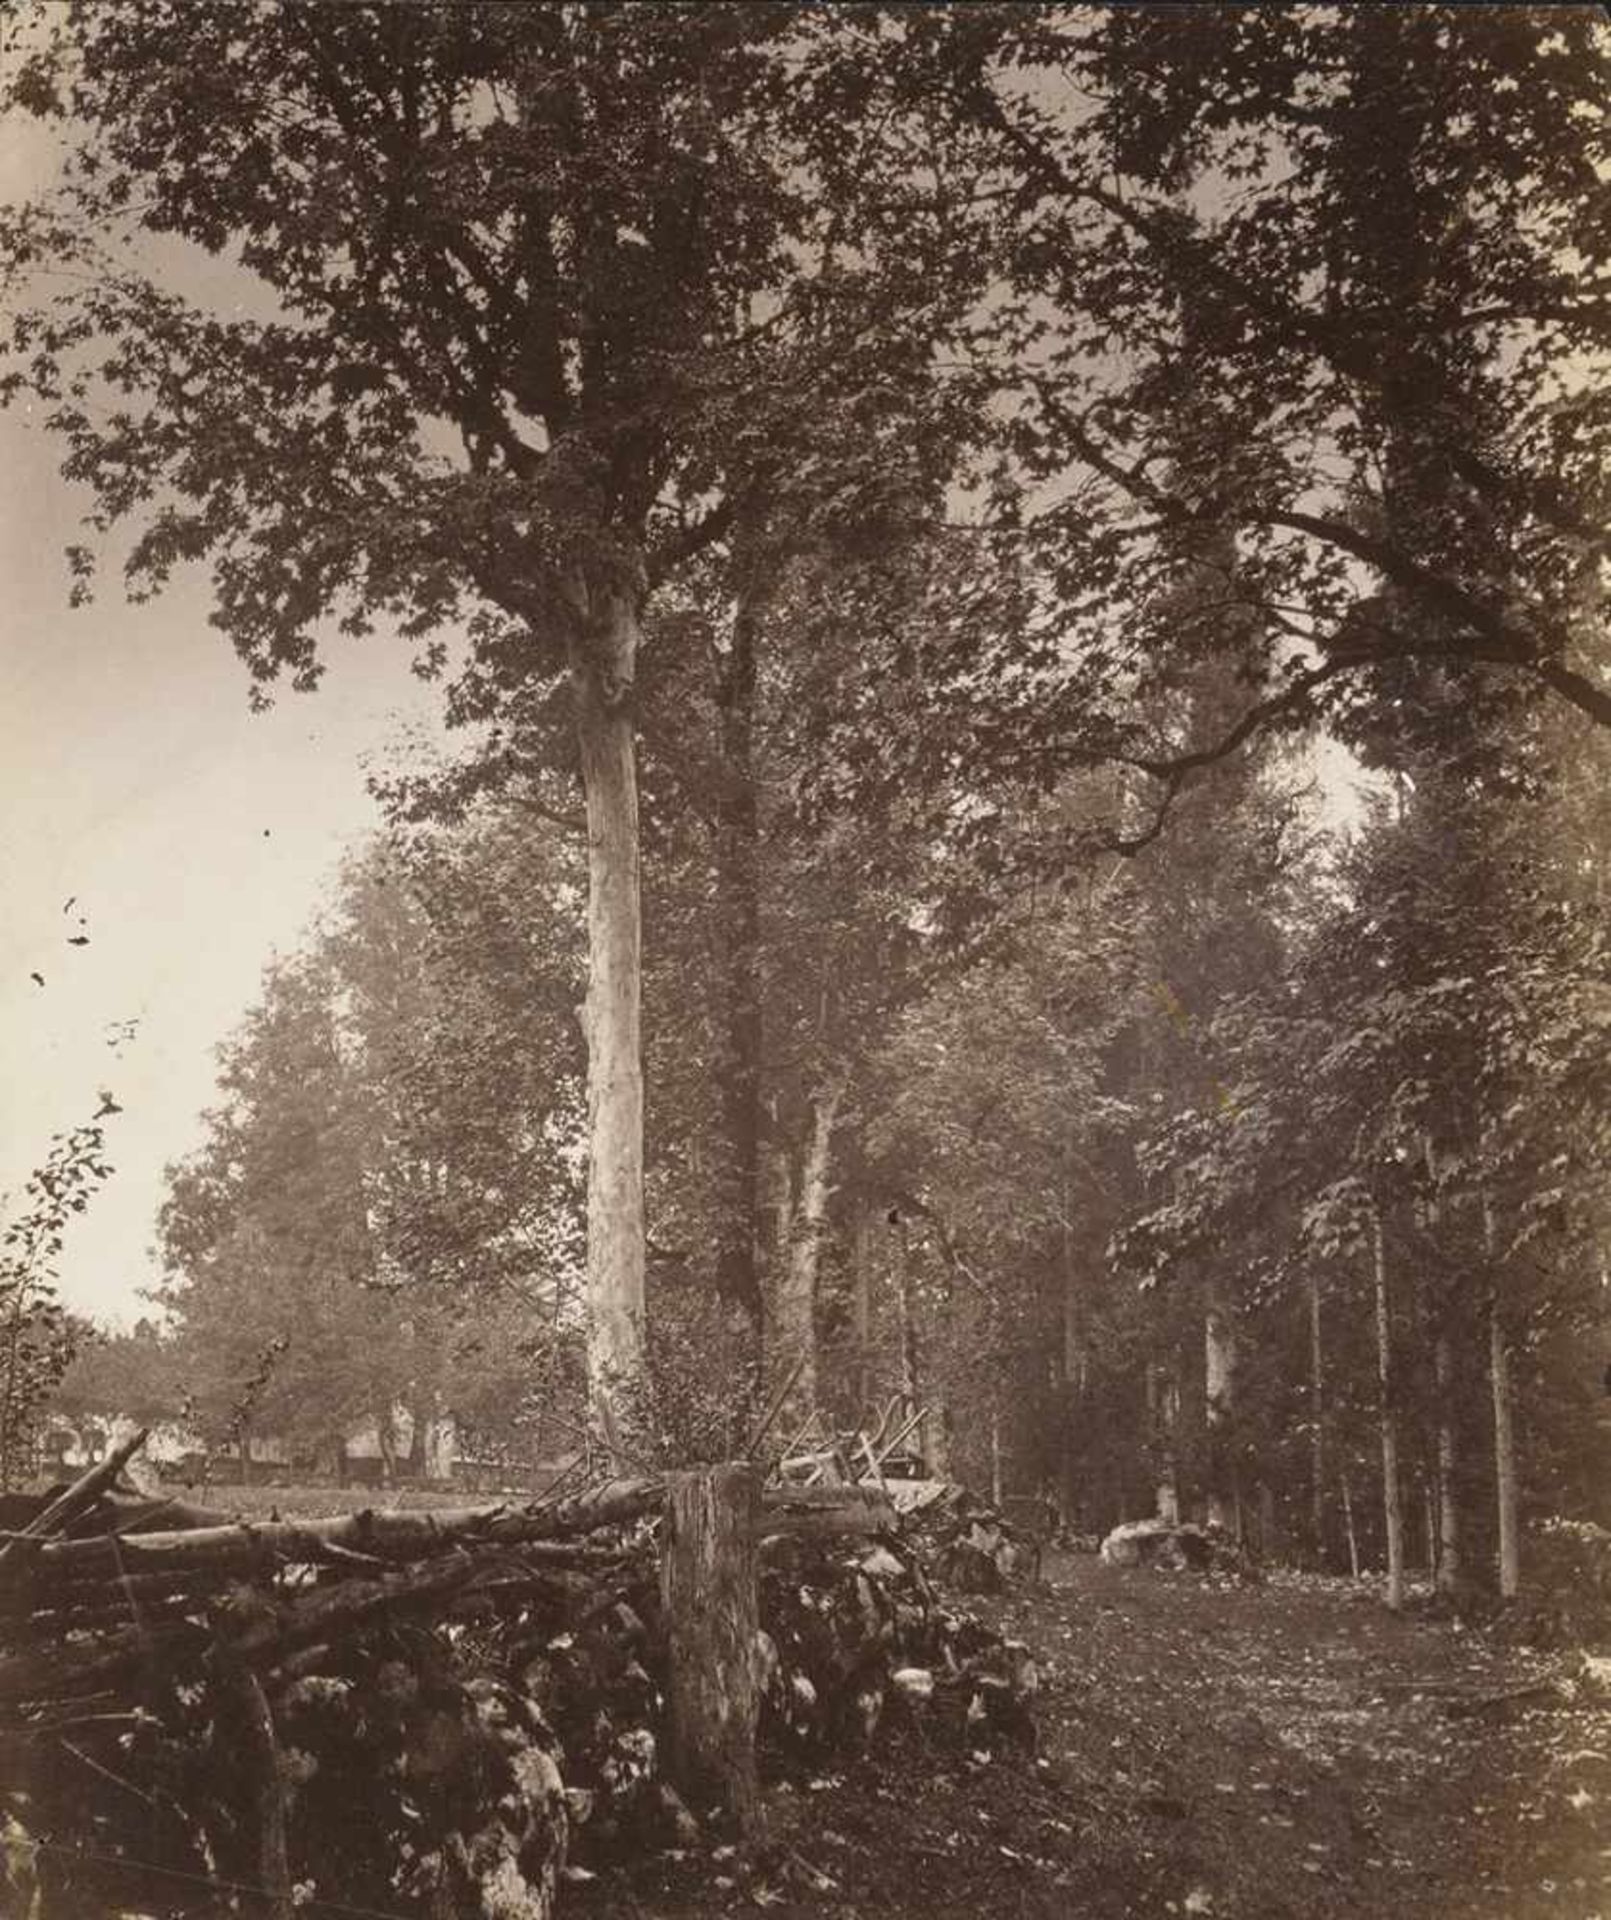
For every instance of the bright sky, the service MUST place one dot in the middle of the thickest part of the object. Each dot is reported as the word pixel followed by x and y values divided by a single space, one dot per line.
pixel 191 835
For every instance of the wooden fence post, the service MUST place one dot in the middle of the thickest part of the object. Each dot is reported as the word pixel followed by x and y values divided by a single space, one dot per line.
pixel 712 1610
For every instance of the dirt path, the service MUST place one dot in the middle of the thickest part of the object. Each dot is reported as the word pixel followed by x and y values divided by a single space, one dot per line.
pixel 1318 1756
pixel 1286 1751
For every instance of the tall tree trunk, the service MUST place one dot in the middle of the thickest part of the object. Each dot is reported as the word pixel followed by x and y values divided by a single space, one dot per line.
pixel 1219 1357
pixel 1392 1500
pixel 1509 1544
pixel 1163 1403
pixel 773 1228
pixel 936 1432
pixel 1317 1421
pixel 603 666
pixel 1076 1371
pixel 796 1332
pixel 738 899
pixel 1445 1559
pixel 1269 1522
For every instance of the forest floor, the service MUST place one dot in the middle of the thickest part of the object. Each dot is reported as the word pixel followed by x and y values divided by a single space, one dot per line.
pixel 1279 1751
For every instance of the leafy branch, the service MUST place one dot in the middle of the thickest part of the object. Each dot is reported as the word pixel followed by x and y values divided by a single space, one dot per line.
pixel 37 1335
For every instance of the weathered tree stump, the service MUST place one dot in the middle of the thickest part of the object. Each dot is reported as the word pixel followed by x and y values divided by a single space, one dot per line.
pixel 710 1593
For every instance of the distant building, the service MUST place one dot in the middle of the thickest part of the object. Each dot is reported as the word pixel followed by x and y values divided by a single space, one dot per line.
pixel 68 1446
pixel 439 1452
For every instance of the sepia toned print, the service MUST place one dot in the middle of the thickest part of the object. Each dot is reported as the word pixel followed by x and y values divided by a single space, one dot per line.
pixel 805 1004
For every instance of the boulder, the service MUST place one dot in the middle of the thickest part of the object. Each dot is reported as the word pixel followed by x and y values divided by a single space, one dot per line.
pixel 1176 1546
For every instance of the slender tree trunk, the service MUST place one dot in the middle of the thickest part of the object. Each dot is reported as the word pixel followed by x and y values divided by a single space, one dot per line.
pixel 1219 1354
pixel 738 891
pixel 911 1372
pixel 796 1332
pixel 996 1482
pixel 1348 1526
pixel 1448 1554
pixel 603 666
pixel 1392 1501
pixel 862 1310
pixel 1317 1421
pixel 1429 1525
pixel 386 1441
pixel 1509 1546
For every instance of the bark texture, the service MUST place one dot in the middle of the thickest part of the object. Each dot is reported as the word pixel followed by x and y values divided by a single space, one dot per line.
pixel 862 1309
pixel 795 1333
pixel 1392 1498
pixel 261 1748
pixel 738 888
pixel 603 665
pixel 1448 1556
pixel 1507 1514
pixel 1317 1420
pixel 1219 1376
pixel 1076 1372
pixel 1163 1405
pixel 709 1587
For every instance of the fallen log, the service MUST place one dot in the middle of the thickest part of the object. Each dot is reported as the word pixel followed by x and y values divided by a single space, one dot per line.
pixel 247 1696
pixel 824 1510
pixel 82 1494
pixel 258 1547
pixel 76 1671
pixel 256 1628
pixel 208 1555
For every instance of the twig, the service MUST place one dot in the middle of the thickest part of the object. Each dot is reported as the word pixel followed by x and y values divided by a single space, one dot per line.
pixel 799 1434
pixel 212 1880
pixel 348 1556
pixel 48 1729
pixel 873 1462
pixel 885 1451
pixel 106 1773
pixel 774 1409
pixel 550 1494
pixel 876 1435
pixel 821 1882
pixel 609 1446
